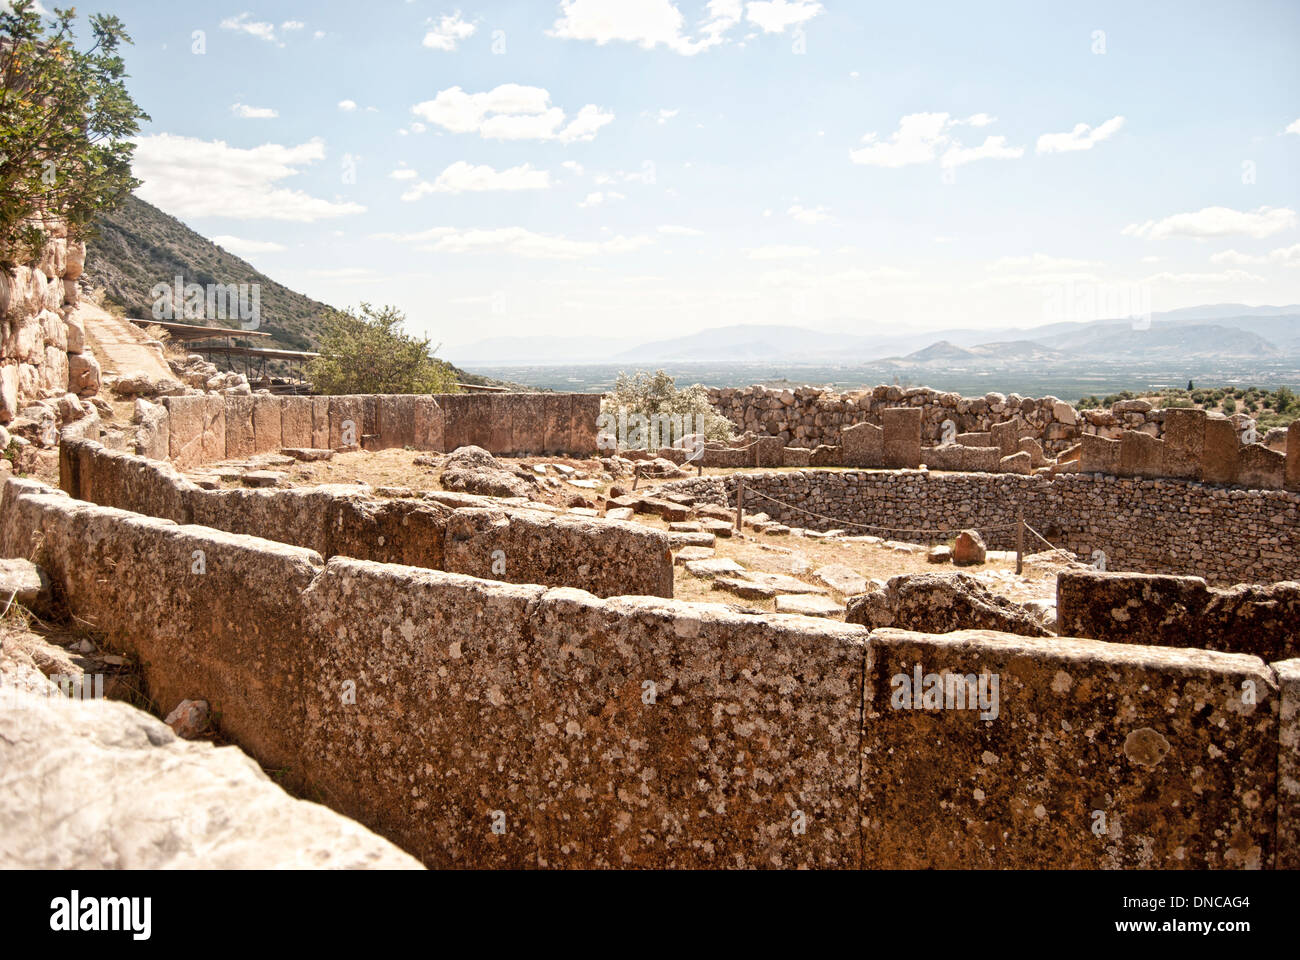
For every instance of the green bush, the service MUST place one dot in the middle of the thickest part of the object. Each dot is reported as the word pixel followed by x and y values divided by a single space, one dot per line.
pixel 1229 405
pixel 657 394
pixel 368 352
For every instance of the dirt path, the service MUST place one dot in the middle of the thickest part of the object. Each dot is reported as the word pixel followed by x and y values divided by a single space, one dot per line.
pixel 119 345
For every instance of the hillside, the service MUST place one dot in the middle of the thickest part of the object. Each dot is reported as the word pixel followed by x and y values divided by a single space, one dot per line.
pixel 139 246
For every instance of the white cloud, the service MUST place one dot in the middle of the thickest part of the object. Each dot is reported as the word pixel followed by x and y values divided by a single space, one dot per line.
pixel 1287 256
pixel 242 248
pixel 510 112
pixel 1082 137
pixel 920 137
pixel 1038 269
pixel 773 16
pixel 1293 127
pixel 1216 222
pixel 253 113
pixel 403 173
pixel 318 35
pixel 665 115
pixel 573 166
pixel 292 25
pixel 673 230
pixel 809 214
pixel 189 177
pixel 347 106
pixel 1227 276
pixel 256 28
pixel 516 241
pixel 993 148
pixel 649 23
pixel 599 197
pixel 462 177
pixel 448 32
pixel 780 252
pixel 917 140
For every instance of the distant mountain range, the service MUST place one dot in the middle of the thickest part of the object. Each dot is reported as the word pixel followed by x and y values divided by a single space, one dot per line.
pixel 1218 331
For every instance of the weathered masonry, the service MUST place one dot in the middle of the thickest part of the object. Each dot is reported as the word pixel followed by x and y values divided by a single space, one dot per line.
pixel 481 723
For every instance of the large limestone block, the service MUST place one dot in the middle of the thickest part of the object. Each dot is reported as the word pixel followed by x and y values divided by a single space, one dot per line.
pixel 1131 607
pixel 528 424
pixel 1260 467
pixel 455 407
pixel 1288 766
pixel 76 260
pixel 498 409
pixel 8 392
pixel 268 434
pixel 1006 436
pixel 352 418
pixel 83 375
pixel 1292 478
pixel 300 516
pixel 1098 455
pixel 100 785
pixel 428 425
pixel 690 736
pixel 1140 455
pixel 584 411
pixel 1091 755
pixel 76 332
pixel 196 429
pixel 296 421
pixel 203 611
pixel 241 433
pixel 320 423
pixel 902 446
pixel 1219 462
pixel 387 531
pixel 558 410
pixel 54 371
pixel 940 603
pixel 863 445
pixel 1184 435
pixel 24 583
pixel 396 416
pixel 153 432
pixel 418 710
pixel 604 557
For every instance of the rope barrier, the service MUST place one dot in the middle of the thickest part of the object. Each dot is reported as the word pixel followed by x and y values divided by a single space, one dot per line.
pixel 927 533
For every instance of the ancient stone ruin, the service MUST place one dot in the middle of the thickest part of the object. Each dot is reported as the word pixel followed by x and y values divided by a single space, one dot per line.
pixel 498 667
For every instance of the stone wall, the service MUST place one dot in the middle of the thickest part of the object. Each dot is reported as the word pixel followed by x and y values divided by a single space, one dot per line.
pixel 482 724
pixel 201 429
pixel 484 538
pixel 1225 535
pixel 1194 445
pixel 1263 619
pixel 39 337
pixel 810 416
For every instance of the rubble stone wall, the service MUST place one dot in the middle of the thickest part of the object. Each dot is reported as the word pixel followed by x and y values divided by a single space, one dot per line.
pixel 481 724
pixel 808 416
pixel 1225 535
pixel 201 429
pixel 605 557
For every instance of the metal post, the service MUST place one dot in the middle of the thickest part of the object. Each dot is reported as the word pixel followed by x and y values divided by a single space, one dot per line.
pixel 1020 542
pixel 740 503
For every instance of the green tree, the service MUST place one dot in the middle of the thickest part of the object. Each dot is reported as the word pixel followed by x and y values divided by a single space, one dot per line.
pixel 65 123
pixel 657 393
pixel 367 351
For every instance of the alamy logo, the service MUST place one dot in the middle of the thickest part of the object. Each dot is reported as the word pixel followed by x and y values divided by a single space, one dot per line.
pixel 70 914
pixel 213 301
pixel 636 431
pixel 946 691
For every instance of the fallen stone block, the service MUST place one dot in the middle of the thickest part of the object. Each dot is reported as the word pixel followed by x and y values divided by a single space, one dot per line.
pixel 808 606
pixel 713 567
pixel 841 578
pixel 1020 463
pixel 968 548
pixel 941 603
pixel 24 583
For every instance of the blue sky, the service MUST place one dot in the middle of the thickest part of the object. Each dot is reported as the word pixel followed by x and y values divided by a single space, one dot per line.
pixel 650 168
